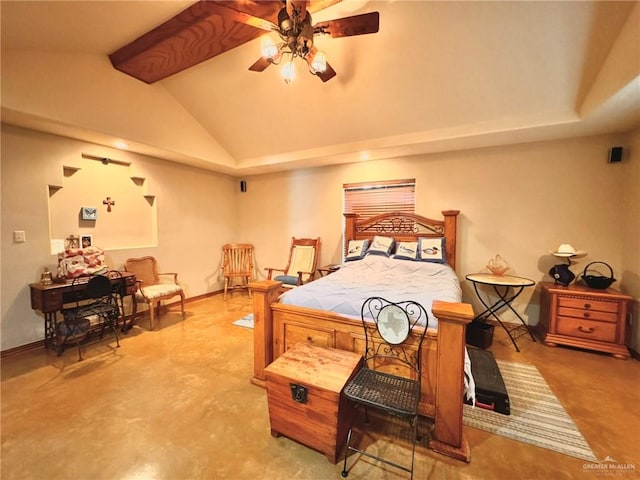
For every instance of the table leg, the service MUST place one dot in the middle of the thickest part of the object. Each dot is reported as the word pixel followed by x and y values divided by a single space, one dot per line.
pixel 50 330
pixel 504 301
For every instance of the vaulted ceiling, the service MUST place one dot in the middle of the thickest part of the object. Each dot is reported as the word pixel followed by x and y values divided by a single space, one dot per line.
pixel 438 76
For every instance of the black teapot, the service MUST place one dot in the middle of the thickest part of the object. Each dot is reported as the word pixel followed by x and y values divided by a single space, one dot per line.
pixel 562 275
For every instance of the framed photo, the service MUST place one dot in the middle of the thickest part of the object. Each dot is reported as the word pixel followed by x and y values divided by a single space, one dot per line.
pixel 89 213
pixel 86 241
pixel 72 242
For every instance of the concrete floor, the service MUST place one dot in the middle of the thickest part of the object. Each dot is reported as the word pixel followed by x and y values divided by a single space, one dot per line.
pixel 176 404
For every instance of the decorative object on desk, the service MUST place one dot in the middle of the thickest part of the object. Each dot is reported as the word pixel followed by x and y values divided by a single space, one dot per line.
pixel 498 266
pixel 45 277
pixel 536 416
pixel 597 281
pixel 59 278
pixel 76 262
pixel 561 274
pixel 89 213
pixel 86 241
pixel 72 241
pixel 109 203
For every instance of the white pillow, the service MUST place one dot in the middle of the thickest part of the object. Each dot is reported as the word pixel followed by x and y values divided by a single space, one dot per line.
pixel 407 251
pixel 356 250
pixel 432 250
pixel 381 246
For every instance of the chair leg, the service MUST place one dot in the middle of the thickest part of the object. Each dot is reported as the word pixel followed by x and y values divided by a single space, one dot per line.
pixel 113 323
pixel 182 303
pixel 226 286
pixel 151 315
pixel 345 472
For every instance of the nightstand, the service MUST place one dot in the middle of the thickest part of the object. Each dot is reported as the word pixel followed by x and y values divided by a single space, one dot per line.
pixel 584 317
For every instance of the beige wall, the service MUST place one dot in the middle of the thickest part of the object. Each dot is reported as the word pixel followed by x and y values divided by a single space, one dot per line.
pixel 520 201
pixel 195 213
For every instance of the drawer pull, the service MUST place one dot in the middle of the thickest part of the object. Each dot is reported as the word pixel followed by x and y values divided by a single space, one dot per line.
pixel 587 305
pixel 586 314
pixel 586 330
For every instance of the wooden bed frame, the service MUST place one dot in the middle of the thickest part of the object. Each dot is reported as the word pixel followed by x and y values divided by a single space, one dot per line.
pixel 277 327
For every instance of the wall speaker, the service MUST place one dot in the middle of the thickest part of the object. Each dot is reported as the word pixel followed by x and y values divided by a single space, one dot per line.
pixel 243 186
pixel 615 154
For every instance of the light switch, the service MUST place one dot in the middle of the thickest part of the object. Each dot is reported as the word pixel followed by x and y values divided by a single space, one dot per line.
pixel 19 236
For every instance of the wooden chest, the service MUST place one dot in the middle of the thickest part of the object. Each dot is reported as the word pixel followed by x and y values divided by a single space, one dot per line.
pixel 304 388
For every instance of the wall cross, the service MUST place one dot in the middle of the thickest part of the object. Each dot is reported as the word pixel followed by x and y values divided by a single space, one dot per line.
pixel 108 202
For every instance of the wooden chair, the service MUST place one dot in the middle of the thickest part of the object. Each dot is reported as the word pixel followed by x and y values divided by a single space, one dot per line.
pixel 237 262
pixel 303 261
pixel 153 287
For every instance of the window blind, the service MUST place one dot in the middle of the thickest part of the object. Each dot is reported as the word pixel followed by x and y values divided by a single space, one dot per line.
pixel 373 198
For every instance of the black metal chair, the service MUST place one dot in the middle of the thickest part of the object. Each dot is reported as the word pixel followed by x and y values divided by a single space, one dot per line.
pixel 389 380
pixel 98 300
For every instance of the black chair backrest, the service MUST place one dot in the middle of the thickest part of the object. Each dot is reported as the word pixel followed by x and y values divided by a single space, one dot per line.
pixel 394 333
pixel 98 286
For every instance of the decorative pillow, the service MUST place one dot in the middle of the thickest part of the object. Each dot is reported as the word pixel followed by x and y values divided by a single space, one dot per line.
pixel 407 251
pixel 381 246
pixel 356 250
pixel 432 250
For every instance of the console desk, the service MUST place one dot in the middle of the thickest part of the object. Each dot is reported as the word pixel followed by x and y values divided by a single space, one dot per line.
pixel 50 299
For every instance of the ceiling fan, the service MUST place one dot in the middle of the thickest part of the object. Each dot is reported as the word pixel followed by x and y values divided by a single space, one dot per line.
pixel 211 27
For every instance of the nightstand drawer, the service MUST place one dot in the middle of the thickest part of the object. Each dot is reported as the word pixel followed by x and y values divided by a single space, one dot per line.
pixel 588 314
pixel 588 304
pixel 593 330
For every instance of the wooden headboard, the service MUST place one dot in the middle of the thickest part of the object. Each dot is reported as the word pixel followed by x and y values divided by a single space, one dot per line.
pixel 405 227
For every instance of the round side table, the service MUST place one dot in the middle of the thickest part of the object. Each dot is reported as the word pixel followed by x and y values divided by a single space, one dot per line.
pixel 507 288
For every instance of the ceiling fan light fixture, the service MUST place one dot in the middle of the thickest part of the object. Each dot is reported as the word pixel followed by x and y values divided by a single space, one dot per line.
pixel 269 49
pixel 288 72
pixel 319 63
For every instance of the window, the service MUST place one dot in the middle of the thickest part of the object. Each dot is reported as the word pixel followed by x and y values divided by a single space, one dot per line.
pixel 373 198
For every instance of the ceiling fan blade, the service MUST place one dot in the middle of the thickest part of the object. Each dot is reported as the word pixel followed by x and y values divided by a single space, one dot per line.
pixel 350 26
pixel 260 65
pixel 247 19
pixel 328 74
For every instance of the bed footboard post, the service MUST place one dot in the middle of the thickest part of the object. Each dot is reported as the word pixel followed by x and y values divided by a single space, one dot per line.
pixel 448 436
pixel 264 294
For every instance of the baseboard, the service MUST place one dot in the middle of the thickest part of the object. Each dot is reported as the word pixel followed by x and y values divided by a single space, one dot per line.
pixel 22 348
pixel 38 344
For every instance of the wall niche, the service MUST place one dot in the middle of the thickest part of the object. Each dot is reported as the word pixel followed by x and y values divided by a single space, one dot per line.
pixel 102 199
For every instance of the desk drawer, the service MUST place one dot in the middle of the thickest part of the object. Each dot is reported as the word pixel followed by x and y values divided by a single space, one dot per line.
pixel 593 330
pixel 588 304
pixel 46 300
pixel 588 314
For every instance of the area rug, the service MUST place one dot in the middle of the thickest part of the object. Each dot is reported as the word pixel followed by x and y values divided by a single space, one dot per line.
pixel 537 417
pixel 246 322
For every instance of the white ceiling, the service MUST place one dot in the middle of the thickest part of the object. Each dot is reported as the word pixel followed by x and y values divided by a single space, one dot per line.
pixel 438 76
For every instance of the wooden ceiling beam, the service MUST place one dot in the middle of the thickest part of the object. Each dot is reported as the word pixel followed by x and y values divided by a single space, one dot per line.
pixel 198 33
